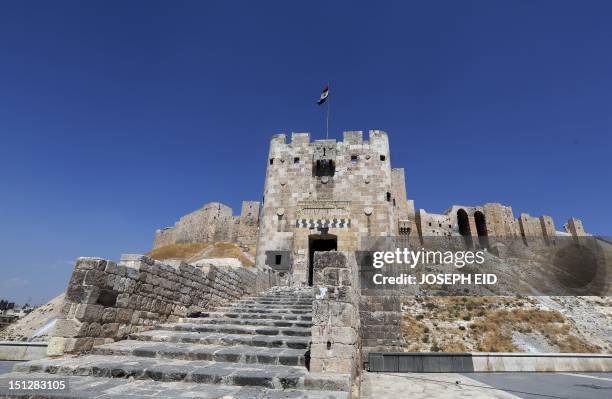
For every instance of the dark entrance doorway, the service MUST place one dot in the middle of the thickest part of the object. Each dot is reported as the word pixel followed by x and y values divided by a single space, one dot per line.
pixel 319 243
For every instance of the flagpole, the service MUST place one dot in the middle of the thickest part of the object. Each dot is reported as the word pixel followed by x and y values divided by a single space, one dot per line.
pixel 327 119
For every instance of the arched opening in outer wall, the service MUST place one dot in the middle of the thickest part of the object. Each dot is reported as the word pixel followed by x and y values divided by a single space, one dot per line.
pixel 463 221
pixel 481 229
pixel 319 243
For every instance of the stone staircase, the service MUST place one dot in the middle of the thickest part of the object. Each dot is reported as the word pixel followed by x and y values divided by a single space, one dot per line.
pixel 254 348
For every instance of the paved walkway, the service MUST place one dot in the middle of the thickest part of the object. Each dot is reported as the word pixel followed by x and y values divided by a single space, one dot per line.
pixel 425 386
pixel 6 366
pixel 487 385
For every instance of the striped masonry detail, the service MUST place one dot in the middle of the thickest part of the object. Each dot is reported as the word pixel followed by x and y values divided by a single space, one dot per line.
pixel 323 223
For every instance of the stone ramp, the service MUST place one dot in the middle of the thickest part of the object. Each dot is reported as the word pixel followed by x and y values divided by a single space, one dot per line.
pixel 225 353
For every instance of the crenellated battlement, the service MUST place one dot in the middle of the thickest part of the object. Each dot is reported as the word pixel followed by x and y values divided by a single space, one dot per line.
pixel 349 137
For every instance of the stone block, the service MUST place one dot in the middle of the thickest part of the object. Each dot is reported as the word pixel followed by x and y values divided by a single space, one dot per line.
pixel 111 267
pixel 94 330
pixel 89 312
pixel 123 300
pixel 109 330
pixel 77 277
pixel 109 315
pixel 57 346
pixel 69 328
pixel 96 278
pixel 124 315
pixel 91 264
pixel 123 331
pixel 82 294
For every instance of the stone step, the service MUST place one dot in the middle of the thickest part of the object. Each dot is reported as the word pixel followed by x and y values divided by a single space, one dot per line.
pixel 119 388
pixel 237 329
pixel 287 296
pixel 300 297
pixel 283 298
pixel 268 341
pixel 263 309
pixel 252 322
pixel 236 354
pixel 272 306
pixel 297 301
pixel 277 301
pixel 200 371
pixel 253 315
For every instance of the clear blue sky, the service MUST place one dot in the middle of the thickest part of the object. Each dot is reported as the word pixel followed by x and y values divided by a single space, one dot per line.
pixel 117 117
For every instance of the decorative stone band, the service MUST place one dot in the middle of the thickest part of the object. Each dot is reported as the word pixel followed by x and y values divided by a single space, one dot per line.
pixel 323 223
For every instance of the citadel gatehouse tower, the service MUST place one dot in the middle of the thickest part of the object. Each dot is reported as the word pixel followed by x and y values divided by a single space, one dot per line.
pixel 327 195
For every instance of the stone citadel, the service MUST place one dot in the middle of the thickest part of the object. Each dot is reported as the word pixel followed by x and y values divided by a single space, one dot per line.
pixel 330 195
pixel 303 323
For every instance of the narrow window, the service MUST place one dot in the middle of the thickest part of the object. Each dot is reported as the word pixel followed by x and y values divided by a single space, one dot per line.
pixel 388 197
pixel 271 161
pixel 429 224
pixel 393 201
pixel 296 160
pixel 439 224
pixel 278 259
pixel 382 157
pixel 280 223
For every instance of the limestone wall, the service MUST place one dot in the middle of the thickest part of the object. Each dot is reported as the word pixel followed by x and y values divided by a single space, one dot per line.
pixel 530 226
pixel 336 346
pixel 498 221
pixel 434 225
pixel 574 227
pixel 214 222
pixel 380 314
pixel 106 301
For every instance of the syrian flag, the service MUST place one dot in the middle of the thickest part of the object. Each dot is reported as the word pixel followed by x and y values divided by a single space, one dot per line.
pixel 324 95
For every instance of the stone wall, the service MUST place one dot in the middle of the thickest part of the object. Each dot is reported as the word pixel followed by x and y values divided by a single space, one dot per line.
pixel 336 346
pixel 106 301
pixel 380 314
pixel 575 228
pixel 214 222
pixel 433 225
pixel 499 221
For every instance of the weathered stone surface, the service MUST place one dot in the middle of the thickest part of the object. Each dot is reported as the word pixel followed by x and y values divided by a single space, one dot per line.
pixel 214 222
pixel 219 356
pixel 335 331
pixel 118 299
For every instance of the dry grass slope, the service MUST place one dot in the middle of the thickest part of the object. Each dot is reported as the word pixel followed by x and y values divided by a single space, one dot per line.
pixel 196 251
pixel 489 324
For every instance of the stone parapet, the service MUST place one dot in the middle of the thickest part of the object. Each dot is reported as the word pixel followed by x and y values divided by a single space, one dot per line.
pixel 106 302
pixel 336 346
